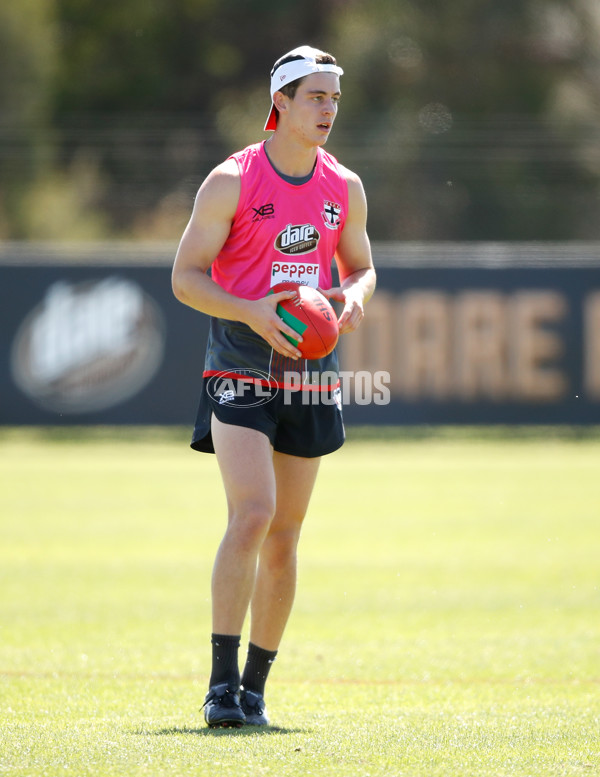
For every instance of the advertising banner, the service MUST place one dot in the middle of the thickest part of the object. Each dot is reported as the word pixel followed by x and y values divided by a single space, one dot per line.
pixel 481 346
pixel 444 341
pixel 97 345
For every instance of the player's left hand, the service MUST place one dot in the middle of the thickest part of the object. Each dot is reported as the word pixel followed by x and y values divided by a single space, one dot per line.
pixel 353 312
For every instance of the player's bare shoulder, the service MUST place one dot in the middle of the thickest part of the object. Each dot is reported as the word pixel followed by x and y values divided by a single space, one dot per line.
pixel 350 176
pixel 357 201
pixel 220 191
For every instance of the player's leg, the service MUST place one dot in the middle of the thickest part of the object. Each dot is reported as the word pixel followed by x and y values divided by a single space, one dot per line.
pixel 275 585
pixel 276 576
pixel 246 463
pixel 245 460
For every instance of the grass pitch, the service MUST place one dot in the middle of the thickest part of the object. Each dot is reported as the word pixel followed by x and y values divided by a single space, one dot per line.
pixel 447 620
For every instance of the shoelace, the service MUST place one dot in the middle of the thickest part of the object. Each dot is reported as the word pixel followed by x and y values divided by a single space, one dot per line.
pixel 226 700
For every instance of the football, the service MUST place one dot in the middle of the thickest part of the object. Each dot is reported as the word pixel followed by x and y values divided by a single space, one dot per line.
pixel 311 315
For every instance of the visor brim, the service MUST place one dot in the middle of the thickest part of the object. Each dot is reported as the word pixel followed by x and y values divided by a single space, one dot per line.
pixel 271 123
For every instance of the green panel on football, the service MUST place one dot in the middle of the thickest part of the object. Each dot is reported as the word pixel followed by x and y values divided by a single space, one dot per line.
pixel 291 320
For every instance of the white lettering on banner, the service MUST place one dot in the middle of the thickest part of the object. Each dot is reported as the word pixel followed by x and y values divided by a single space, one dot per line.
pixel 88 346
pixel 78 328
pixel 306 274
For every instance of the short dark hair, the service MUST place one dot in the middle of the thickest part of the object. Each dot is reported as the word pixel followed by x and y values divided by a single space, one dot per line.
pixel 289 90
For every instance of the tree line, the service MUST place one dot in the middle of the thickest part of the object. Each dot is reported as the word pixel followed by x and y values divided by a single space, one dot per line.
pixel 472 120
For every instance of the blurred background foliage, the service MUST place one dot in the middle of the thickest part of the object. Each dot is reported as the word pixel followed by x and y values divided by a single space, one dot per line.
pixel 470 120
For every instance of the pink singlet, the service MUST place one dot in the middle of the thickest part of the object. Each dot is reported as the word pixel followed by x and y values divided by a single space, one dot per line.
pixel 282 231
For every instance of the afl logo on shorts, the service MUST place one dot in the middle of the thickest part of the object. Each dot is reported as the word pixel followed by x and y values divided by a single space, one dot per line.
pixel 241 388
pixel 294 240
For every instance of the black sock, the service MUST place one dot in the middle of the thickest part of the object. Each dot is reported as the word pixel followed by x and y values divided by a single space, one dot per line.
pixel 257 668
pixel 225 667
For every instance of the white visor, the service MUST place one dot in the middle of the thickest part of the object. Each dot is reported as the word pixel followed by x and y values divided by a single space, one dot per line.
pixel 303 64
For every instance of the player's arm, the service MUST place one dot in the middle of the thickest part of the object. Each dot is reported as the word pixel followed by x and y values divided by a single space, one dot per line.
pixel 203 238
pixel 353 259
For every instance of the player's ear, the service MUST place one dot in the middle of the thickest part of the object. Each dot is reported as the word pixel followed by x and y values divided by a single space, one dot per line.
pixel 280 101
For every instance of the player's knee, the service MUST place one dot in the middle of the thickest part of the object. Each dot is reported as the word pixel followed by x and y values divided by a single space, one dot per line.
pixel 251 521
pixel 279 549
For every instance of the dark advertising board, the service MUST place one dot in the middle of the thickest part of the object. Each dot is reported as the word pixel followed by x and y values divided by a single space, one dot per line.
pixel 482 346
pixel 444 341
pixel 97 345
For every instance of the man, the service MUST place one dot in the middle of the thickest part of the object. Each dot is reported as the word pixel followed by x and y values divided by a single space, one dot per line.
pixel 242 228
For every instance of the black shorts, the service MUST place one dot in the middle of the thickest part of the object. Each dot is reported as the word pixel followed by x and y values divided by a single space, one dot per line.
pixel 299 423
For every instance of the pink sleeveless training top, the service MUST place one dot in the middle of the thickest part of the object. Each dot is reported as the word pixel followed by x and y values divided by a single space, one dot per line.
pixel 281 231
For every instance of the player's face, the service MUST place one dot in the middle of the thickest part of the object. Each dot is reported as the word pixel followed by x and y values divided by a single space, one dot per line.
pixel 314 107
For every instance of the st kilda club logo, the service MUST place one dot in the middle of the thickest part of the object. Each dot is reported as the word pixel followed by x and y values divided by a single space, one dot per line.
pixel 301 239
pixel 331 214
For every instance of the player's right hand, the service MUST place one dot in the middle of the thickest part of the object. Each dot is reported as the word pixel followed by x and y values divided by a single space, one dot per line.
pixel 263 319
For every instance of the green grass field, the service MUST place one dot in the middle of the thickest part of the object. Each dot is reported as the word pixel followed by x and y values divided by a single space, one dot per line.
pixel 447 620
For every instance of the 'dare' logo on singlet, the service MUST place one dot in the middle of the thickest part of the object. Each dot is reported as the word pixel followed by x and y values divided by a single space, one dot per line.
pixel 297 239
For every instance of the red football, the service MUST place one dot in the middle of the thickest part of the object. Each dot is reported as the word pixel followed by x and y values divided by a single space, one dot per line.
pixel 311 315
